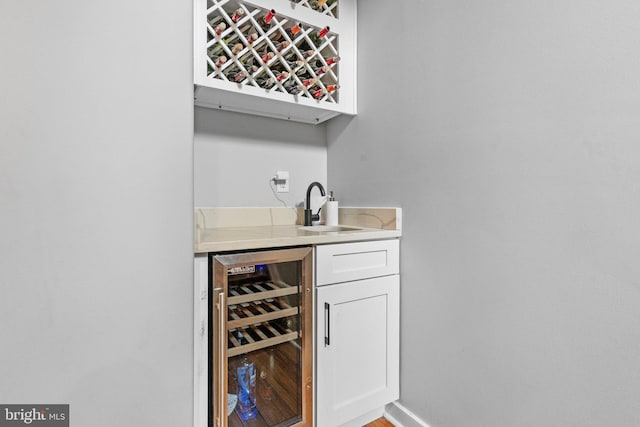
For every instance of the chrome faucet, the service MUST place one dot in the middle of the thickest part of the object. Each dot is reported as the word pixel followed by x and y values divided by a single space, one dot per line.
pixel 309 217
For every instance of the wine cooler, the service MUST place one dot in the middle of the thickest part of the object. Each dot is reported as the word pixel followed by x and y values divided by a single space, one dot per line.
pixel 260 339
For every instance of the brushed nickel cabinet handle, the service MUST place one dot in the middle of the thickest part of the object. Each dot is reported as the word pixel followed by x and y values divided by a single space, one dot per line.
pixel 327 323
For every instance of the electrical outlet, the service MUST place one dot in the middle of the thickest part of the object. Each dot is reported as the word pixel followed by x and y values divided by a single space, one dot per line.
pixel 282 187
pixel 282 182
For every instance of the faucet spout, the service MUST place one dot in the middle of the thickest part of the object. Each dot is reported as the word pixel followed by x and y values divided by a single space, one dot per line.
pixel 309 216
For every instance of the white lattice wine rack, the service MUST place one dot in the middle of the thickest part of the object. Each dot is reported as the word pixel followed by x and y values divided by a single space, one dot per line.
pixel 294 60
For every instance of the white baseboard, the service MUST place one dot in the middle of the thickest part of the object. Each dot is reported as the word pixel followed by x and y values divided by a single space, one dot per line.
pixel 400 416
pixel 365 419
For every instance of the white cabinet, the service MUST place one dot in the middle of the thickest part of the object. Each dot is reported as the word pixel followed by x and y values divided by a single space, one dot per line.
pixel 357 329
pixel 300 65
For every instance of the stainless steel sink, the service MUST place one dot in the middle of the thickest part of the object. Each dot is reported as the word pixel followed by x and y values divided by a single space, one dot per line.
pixel 329 228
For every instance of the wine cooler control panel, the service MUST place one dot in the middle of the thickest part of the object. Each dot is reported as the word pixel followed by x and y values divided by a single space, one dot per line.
pixel 287 59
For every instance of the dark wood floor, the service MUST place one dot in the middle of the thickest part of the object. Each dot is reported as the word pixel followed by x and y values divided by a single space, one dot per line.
pixel 380 422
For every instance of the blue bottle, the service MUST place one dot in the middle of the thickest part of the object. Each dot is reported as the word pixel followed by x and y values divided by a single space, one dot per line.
pixel 246 389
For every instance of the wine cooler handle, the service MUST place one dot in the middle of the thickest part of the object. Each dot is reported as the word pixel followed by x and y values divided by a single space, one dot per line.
pixel 222 335
pixel 327 323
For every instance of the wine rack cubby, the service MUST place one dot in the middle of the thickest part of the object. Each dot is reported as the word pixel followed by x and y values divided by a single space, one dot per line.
pixel 293 60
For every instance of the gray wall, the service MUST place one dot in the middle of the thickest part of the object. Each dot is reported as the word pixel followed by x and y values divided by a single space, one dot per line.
pixel 510 140
pixel 96 207
pixel 236 155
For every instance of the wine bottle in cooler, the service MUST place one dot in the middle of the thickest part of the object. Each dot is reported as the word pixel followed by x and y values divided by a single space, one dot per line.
pixel 246 388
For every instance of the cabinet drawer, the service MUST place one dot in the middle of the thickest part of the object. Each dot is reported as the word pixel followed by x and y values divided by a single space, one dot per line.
pixel 354 261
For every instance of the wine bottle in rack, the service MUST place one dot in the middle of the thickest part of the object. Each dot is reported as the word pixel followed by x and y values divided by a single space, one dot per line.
pixel 248 62
pixel 266 82
pixel 237 15
pixel 237 48
pixel 275 36
pixel 290 56
pixel 321 70
pixel 234 36
pixel 318 37
pixel 219 29
pixel 317 92
pixel 267 19
pixel 252 37
pixel 302 44
pixel 294 31
pixel 215 51
pixel 332 60
pixel 302 72
pixel 220 60
pixel 282 75
pixel 280 46
pixel 267 57
pixel 295 64
pixel 215 21
pixel 291 87
pixel 236 75
pixel 317 4
pixel 307 54
pixel 308 81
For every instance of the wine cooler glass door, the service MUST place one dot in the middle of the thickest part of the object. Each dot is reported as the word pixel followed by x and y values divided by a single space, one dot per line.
pixel 262 348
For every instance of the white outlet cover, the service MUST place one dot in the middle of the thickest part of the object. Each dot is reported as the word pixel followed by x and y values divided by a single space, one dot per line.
pixel 282 186
pixel 282 182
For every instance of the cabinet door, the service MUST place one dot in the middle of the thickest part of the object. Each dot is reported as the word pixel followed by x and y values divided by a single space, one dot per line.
pixel 357 348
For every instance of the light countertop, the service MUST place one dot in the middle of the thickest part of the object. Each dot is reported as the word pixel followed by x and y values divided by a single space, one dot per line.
pixel 230 229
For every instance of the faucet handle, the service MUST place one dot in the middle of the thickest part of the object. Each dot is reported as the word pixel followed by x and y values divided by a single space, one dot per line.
pixel 310 217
